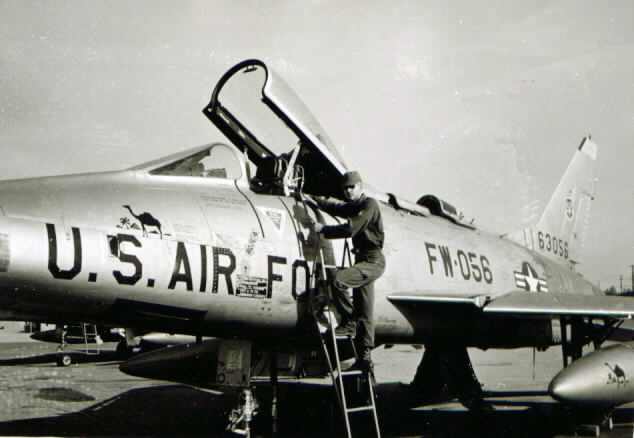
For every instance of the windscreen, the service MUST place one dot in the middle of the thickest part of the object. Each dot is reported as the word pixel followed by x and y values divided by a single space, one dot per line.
pixel 284 98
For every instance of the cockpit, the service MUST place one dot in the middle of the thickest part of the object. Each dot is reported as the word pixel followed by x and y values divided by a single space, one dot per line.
pixel 277 145
pixel 272 127
pixel 215 161
pixel 272 131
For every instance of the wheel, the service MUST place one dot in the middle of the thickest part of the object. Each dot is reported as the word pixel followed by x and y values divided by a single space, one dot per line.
pixel 64 360
pixel 123 351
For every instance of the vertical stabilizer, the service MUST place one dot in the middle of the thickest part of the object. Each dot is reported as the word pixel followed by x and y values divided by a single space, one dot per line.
pixel 561 231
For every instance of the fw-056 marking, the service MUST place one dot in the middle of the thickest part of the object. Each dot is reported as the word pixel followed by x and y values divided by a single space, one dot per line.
pixel 469 264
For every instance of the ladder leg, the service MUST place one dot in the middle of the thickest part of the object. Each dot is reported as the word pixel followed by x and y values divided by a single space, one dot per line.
pixel 274 393
pixel 338 383
pixel 375 416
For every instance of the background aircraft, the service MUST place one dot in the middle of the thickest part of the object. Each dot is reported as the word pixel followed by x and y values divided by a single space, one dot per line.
pixel 199 243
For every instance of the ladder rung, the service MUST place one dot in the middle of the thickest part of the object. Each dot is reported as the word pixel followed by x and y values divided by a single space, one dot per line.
pixel 342 337
pixel 360 408
pixel 352 373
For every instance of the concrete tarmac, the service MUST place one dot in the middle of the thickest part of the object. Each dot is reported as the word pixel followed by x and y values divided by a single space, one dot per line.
pixel 94 398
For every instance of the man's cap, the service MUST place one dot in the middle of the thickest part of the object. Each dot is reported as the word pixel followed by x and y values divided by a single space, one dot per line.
pixel 350 178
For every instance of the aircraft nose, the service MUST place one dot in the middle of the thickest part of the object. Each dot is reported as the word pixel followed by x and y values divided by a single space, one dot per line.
pixel 54 336
pixel 181 363
pixel 571 386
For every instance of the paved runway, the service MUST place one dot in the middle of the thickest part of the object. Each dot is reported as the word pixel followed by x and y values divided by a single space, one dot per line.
pixel 95 398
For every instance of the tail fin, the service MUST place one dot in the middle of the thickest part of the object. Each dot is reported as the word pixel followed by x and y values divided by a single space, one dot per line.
pixel 565 219
pixel 561 230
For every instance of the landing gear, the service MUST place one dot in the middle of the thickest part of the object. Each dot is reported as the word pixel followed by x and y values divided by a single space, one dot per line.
pixel 446 372
pixel 123 351
pixel 63 359
pixel 608 423
pixel 589 422
pixel 240 418
pixel 573 338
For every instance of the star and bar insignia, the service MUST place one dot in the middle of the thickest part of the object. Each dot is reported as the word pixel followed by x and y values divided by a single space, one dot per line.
pixel 529 280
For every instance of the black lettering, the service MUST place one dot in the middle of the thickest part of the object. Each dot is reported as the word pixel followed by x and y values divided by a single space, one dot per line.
pixel 486 271
pixel 223 270
pixel 177 275
pixel 304 265
pixel 113 245
pixel 540 238
pixel 430 257
pixel 128 258
pixel 272 276
pixel 464 264
pixel 565 250
pixel 445 255
pixel 475 269
pixel 53 267
pixel 548 243
pixel 203 268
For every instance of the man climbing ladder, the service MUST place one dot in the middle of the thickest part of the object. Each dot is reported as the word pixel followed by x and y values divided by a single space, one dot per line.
pixel 366 229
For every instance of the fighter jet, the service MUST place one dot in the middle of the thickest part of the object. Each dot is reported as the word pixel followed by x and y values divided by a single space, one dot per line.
pixel 213 241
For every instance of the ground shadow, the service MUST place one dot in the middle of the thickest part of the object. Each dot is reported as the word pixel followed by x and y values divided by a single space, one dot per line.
pixel 304 409
pixel 169 410
pixel 77 357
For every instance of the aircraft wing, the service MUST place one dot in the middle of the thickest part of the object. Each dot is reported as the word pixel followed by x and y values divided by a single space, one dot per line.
pixel 435 298
pixel 521 303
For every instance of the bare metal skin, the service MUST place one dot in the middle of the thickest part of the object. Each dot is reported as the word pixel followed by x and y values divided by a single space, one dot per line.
pixel 178 246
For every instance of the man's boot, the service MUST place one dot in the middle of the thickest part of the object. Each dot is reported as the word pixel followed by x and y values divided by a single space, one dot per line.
pixel 364 361
pixel 347 328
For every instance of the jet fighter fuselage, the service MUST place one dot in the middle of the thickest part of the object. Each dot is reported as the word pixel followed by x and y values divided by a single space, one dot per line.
pixel 206 255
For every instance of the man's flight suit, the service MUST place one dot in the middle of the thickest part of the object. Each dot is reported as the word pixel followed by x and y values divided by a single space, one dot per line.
pixel 366 229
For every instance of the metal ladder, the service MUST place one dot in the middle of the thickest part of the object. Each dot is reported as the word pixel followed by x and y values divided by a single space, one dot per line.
pixel 342 380
pixel 82 333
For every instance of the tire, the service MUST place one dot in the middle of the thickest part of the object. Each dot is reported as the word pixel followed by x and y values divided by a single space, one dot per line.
pixel 123 352
pixel 64 360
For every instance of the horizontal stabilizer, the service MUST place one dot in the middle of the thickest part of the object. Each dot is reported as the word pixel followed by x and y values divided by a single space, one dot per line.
pixel 525 304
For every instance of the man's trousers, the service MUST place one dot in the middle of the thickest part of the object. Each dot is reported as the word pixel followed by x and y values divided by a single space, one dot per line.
pixel 360 277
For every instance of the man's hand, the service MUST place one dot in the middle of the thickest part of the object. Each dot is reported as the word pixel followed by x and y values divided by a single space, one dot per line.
pixel 317 227
pixel 317 201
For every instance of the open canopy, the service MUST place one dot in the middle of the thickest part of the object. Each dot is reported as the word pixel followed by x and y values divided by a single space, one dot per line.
pixel 262 116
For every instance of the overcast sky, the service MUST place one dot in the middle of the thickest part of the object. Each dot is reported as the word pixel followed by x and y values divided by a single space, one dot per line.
pixel 481 105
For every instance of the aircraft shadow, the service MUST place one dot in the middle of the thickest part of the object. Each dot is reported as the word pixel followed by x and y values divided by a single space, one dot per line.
pixel 78 357
pixel 304 409
pixel 169 410
pixel 526 393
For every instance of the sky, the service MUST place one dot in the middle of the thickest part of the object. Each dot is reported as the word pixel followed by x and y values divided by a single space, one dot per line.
pixel 481 105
